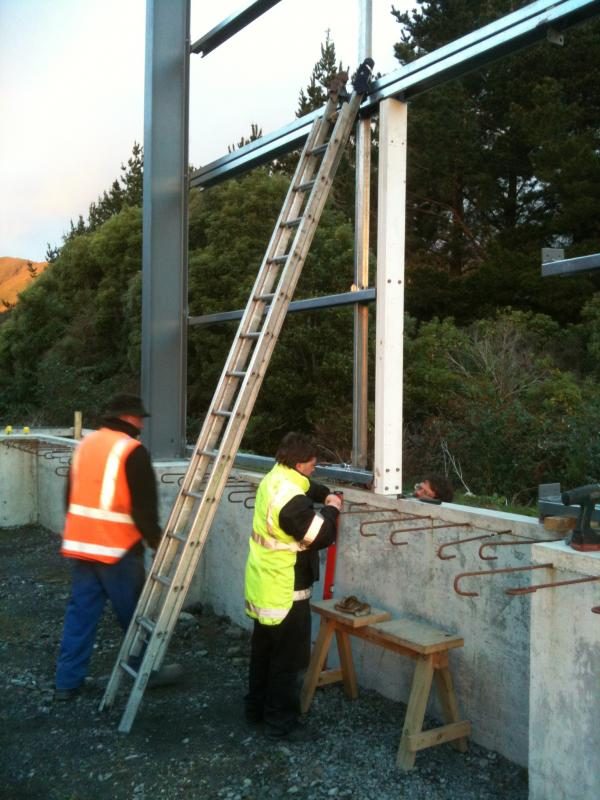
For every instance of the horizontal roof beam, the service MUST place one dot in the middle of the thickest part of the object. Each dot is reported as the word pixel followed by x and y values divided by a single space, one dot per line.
pixel 335 472
pixel 571 266
pixel 230 26
pixel 327 301
pixel 513 32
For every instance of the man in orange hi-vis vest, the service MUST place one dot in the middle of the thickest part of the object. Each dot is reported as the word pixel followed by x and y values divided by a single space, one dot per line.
pixel 112 507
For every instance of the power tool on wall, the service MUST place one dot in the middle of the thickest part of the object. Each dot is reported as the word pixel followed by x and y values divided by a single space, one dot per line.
pixel 583 537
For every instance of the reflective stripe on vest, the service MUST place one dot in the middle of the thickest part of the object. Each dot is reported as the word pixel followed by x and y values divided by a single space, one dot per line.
pixel 111 473
pixel 293 547
pixel 86 549
pixel 273 544
pixel 99 525
pixel 99 513
pixel 277 613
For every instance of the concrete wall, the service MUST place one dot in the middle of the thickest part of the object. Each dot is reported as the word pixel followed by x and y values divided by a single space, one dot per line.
pixel 18 481
pixel 492 671
pixel 564 724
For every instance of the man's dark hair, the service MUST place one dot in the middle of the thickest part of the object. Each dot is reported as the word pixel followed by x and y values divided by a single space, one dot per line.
pixel 442 487
pixel 295 448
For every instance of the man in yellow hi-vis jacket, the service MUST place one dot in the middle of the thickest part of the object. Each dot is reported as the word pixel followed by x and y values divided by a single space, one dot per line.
pixel 283 564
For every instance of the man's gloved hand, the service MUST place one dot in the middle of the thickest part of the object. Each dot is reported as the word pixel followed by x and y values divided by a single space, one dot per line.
pixel 334 500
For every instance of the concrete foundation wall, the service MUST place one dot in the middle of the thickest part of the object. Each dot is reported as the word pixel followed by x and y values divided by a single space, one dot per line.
pixel 491 672
pixel 18 486
pixel 564 723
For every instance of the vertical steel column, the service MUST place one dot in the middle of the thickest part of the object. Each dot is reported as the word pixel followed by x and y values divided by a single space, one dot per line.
pixel 164 256
pixel 361 258
pixel 387 467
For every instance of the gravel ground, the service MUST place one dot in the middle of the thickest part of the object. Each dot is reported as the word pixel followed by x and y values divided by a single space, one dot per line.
pixel 190 741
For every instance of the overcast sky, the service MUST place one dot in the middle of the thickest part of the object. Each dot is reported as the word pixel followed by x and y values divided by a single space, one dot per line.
pixel 71 94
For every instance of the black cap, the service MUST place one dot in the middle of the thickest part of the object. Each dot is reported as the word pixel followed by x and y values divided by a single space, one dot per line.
pixel 125 404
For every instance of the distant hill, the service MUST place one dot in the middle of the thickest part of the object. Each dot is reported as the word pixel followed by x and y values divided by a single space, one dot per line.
pixel 15 275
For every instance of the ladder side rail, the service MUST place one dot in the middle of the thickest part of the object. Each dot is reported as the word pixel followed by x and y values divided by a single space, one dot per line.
pixel 167 618
pixel 275 317
pixel 158 642
pixel 253 379
pixel 197 466
pixel 307 229
pixel 234 430
pixel 255 309
pixel 268 274
pixel 152 591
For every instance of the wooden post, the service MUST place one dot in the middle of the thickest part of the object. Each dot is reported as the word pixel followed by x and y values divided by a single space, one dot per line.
pixel 77 425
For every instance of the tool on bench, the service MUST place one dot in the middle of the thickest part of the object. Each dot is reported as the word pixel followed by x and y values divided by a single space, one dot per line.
pixel 583 537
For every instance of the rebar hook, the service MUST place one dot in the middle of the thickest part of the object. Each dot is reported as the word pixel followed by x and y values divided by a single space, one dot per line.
pixel 492 572
pixel 366 522
pixel 460 541
pixel 507 544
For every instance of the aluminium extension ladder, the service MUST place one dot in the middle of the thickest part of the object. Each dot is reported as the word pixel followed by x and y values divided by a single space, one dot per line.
pixel 176 559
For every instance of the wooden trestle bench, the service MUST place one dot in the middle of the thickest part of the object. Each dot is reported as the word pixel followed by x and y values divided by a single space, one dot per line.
pixel 427 645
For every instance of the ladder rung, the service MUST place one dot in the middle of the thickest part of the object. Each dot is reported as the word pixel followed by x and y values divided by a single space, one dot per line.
pixel 209 453
pixel 304 187
pixel 197 495
pixel 181 537
pixel 146 623
pixel 250 335
pixel 126 668
pixel 265 298
pixel 317 151
pixel 161 579
pixel 222 412
pixel 292 223
pixel 234 373
pixel 279 259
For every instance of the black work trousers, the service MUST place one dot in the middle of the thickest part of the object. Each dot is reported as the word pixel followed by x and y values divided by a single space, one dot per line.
pixel 278 654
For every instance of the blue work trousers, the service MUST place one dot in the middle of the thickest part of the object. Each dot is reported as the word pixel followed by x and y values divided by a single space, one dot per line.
pixel 92 584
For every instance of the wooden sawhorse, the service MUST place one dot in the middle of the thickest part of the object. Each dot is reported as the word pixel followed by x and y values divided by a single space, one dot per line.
pixel 427 645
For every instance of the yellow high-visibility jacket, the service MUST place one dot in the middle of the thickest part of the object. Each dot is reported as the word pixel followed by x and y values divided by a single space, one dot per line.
pixel 270 566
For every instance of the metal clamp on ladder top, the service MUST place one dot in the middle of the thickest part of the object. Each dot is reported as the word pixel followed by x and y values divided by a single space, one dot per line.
pixel 363 76
pixel 225 422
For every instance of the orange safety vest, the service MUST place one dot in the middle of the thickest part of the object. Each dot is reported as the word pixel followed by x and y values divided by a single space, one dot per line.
pixel 99 526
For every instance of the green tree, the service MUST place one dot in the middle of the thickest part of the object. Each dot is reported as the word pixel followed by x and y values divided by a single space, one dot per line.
pixel 230 227
pixel 70 341
pixel 501 162
pixel 326 68
pixel 492 403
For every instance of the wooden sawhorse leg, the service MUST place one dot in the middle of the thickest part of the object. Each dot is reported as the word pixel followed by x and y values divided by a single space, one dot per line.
pixel 414 738
pixel 449 703
pixel 315 675
pixel 317 660
pixel 415 711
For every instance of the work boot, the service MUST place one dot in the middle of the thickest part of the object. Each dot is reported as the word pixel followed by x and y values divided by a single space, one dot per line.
pixel 301 733
pixel 63 695
pixel 253 718
pixel 165 676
